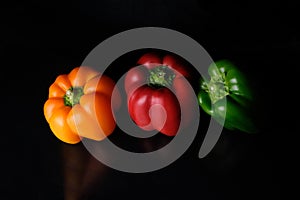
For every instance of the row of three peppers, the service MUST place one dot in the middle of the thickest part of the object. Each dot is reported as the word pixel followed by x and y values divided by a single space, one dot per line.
pixel 159 97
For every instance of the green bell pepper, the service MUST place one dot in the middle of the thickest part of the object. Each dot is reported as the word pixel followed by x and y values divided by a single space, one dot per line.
pixel 227 97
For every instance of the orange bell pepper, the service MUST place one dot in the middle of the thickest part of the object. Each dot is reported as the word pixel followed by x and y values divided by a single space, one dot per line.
pixel 80 105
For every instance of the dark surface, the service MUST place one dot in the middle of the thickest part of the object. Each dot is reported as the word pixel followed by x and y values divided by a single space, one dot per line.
pixel 42 40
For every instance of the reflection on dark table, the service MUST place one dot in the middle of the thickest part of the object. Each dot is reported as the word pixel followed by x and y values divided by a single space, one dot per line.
pixel 82 173
pixel 229 172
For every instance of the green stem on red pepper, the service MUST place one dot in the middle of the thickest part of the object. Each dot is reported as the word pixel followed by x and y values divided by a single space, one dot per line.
pixel 161 76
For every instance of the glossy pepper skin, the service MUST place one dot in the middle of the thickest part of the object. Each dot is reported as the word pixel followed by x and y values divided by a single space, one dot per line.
pixel 226 81
pixel 79 105
pixel 159 95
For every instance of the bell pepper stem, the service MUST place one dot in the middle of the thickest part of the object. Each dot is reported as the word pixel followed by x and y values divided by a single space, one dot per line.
pixel 72 96
pixel 161 76
pixel 216 88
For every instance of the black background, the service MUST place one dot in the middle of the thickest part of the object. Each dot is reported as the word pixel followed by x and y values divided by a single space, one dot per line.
pixel 42 39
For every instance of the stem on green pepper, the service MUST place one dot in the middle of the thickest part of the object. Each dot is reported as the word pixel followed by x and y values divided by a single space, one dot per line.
pixel 216 87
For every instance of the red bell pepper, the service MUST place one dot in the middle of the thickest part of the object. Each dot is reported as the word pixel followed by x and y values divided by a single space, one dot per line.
pixel 159 95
